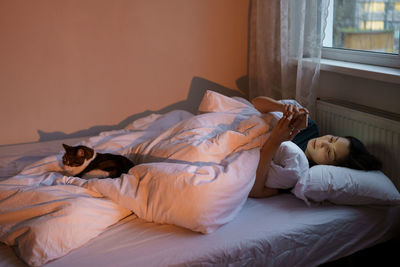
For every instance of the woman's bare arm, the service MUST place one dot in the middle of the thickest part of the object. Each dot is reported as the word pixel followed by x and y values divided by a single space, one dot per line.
pixel 266 154
pixel 266 104
pixel 282 131
pixel 293 120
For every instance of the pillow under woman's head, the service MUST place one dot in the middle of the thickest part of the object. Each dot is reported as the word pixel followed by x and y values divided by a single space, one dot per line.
pixel 346 186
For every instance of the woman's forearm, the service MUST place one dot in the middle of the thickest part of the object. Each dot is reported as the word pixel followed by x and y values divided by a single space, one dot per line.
pixel 281 132
pixel 266 155
pixel 266 104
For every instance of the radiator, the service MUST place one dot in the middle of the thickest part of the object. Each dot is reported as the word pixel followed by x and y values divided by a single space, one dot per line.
pixel 379 131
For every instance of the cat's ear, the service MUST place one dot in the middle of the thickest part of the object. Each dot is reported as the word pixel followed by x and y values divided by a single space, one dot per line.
pixel 89 152
pixel 85 152
pixel 66 147
pixel 80 153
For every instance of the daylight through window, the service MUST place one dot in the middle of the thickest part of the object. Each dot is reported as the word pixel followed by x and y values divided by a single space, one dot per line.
pixel 364 25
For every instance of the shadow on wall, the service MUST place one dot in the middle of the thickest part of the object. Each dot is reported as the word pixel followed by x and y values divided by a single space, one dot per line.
pixel 197 89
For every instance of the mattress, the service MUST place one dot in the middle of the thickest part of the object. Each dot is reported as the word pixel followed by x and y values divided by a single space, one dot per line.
pixel 184 203
pixel 277 231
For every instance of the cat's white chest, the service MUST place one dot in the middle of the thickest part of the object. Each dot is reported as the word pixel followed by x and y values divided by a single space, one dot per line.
pixel 72 171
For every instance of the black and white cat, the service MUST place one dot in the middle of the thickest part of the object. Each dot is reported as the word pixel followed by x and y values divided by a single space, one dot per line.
pixel 84 162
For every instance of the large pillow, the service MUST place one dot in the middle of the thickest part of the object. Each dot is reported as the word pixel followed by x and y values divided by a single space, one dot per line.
pixel 287 167
pixel 346 186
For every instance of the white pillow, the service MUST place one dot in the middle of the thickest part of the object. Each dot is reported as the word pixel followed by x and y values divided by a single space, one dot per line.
pixel 346 186
pixel 287 167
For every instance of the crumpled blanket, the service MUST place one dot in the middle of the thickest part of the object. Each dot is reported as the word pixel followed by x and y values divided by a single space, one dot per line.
pixel 191 171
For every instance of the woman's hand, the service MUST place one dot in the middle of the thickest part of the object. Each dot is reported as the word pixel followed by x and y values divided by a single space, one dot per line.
pixel 290 109
pixel 299 115
pixel 283 130
pixel 299 120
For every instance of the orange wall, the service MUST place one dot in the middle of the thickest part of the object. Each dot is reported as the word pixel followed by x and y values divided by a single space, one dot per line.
pixel 68 65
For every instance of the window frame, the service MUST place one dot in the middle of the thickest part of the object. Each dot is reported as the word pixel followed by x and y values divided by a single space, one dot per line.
pixel 363 57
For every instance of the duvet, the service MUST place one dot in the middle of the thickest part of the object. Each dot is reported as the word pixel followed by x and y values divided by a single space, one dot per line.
pixel 193 171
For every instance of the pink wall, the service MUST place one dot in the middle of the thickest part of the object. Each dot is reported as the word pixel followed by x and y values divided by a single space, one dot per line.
pixel 68 65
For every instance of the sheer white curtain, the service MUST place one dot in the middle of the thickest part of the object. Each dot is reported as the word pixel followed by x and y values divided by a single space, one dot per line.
pixel 285 48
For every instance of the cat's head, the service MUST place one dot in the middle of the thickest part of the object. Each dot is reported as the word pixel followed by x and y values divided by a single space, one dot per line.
pixel 76 155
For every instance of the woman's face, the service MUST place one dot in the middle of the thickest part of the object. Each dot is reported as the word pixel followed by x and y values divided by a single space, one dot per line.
pixel 327 149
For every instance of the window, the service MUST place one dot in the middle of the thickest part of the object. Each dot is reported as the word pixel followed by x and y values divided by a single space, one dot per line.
pixel 374 25
pixel 397 7
pixel 373 7
pixel 363 31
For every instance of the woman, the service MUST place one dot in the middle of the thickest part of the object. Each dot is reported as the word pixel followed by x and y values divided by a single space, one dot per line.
pixel 329 150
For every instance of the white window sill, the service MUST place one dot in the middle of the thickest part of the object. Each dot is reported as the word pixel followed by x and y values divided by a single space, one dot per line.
pixel 385 74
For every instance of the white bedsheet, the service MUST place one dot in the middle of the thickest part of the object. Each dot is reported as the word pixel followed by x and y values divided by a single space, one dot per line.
pixel 279 231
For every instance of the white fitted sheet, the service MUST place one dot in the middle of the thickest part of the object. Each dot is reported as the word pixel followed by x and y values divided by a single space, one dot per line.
pixel 277 231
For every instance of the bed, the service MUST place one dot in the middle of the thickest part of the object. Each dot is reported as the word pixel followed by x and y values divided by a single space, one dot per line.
pixel 290 229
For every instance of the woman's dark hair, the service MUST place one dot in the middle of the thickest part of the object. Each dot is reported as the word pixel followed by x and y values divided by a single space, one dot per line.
pixel 359 158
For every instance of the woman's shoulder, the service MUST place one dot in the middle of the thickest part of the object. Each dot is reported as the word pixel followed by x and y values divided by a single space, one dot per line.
pixel 288 150
pixel 287 167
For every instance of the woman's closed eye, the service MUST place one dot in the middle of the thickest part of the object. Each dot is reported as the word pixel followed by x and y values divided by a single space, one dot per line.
pixel 330 154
